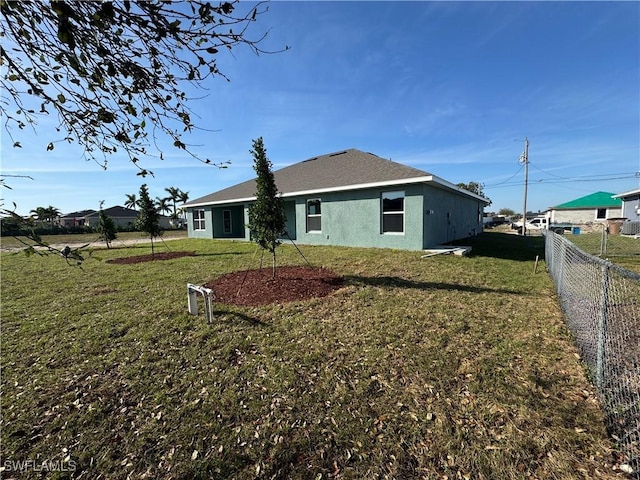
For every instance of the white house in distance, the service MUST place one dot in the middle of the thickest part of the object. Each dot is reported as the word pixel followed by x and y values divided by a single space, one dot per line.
pixel 349 198
pixel 596 207
pixel 630 204
pixel 75 219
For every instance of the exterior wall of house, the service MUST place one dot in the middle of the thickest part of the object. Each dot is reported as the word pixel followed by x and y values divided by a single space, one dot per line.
pixel 207 231
pixel 74 222
pixel 354 219
pixel 586 215
pixel 121 222
pixel 449 216
pixel 214 221
pixel 431 216
pixel 631 207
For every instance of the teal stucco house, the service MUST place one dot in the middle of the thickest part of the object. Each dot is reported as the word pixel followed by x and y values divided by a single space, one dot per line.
pixel 349 198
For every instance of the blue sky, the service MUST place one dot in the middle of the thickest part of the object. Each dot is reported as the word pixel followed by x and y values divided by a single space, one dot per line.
pixel 452 88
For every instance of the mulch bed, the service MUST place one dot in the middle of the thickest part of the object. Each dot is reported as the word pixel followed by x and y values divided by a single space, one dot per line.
pixel 149 258
pixel 257 287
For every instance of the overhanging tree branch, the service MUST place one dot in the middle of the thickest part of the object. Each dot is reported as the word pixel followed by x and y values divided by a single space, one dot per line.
pixel 115 72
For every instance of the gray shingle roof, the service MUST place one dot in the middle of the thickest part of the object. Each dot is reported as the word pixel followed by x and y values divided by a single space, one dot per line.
pixel 80 214
pixel 325 172
pixel 116 212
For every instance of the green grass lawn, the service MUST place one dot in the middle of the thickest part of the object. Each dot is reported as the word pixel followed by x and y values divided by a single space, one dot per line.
pixel 443 367
pixel 621 250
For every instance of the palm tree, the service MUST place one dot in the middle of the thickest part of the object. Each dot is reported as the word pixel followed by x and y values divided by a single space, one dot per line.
pixel 132 201
pixel 162 205
pixel 174 196
pixel 39 214
pixel 184 198
pixel 45 214
pixel 52 214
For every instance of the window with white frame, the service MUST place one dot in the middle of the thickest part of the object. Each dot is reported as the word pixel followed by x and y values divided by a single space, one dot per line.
pixel 226 221
pixel 198 219
pixel 314 215
pixel 393 212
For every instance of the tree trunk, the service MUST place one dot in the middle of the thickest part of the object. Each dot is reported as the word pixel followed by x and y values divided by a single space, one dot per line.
pixel 152 251
pixel 274 263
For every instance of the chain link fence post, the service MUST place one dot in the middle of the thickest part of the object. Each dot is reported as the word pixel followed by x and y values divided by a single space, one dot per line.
pixel 602 327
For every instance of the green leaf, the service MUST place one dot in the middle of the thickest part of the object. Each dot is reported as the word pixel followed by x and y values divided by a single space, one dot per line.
pixel 61 98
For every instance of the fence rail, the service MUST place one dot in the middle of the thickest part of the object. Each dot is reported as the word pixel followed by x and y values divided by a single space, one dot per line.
pixel 601 303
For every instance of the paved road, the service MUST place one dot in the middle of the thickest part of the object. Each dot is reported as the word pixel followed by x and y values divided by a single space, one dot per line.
pixel 97 244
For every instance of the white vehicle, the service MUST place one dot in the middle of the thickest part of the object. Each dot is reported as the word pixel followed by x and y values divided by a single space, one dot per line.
pixel 542 223
pixel 539 223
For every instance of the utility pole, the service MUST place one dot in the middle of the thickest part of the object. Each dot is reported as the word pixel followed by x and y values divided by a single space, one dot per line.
pixel 524 158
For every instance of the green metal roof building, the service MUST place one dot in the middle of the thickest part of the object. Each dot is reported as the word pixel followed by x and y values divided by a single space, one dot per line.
pixel 596 207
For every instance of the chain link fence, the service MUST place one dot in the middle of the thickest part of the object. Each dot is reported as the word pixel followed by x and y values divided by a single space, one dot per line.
pixel 601 303
pixel 608 240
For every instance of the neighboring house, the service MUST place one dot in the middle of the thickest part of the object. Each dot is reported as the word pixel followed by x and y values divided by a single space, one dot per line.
pixel 349 198
pixel 630 204
pixel 123 217
pixel 75 219
pixel 596 207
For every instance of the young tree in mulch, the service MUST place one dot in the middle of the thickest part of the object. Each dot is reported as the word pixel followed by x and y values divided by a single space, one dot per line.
pixel 148 219
pixel 266 216
pixel 106 228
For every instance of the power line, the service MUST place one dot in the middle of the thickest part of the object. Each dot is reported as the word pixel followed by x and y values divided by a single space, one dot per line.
pixel 517 172
pixel 586 178
pixel 543 171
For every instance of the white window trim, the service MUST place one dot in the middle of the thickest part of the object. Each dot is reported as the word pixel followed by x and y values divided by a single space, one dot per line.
pixel 315 215
pixel 404 196
pixel 606 214
pixel 201 220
